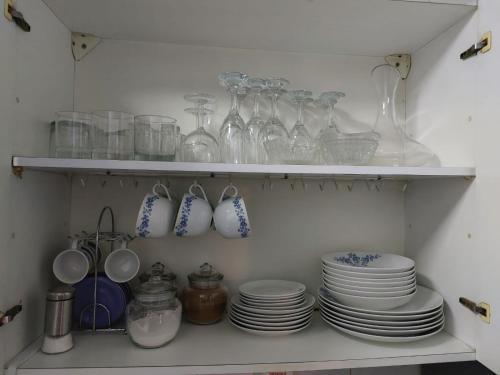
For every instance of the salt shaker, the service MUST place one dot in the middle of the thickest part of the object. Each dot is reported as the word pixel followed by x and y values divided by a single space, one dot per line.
pixel 58 338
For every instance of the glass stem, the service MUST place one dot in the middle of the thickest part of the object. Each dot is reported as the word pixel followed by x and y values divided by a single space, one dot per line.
pixel 256 108
pixel 332 117
pixel 274 106
pixel 234 100
pixel 300 112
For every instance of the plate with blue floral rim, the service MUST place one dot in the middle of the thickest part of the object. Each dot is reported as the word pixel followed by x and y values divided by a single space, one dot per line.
pixel 369 275
pixel 368 261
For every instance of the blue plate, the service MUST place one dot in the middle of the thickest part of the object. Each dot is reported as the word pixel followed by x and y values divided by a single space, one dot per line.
pixel 109 294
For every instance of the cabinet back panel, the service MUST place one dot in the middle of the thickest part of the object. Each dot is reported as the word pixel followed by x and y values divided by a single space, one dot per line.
pixel 291 229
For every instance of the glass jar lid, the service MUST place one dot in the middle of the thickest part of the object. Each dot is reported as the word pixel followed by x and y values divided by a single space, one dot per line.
pixel 167 274
pixel 156 290
pixel 206 277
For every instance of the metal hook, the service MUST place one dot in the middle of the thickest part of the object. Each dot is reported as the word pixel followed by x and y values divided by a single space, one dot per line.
pixel 405 186
pixel 322 185
pixel 350 186
pixel 336 184
pixel 304 185
pixel 103 183
pixel 292 185
pixel 136 183
pixel 122 185
pixel 83 183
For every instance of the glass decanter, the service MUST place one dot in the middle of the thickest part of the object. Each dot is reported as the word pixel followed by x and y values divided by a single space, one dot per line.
pixel 231 132
pixel 302 145
pixel 273 136
pixel 337 147
pixel 199 146
pixel 252 151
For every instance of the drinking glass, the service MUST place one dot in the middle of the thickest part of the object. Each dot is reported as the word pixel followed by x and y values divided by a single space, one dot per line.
pixel 302 145
pixel 273 136
pixel 199 146
pixel 252 150
pixel 337 147
pixel 113 135
pixel 231 132
pixel 155 138
pixel 73 135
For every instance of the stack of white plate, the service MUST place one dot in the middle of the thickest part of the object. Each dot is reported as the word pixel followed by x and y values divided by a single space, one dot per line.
pixel 272 307
pixel 369 280
pixel 422 317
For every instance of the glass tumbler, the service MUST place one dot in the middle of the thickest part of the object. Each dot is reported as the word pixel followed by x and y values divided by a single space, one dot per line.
pixel 73 135
pixel 113 135
pixel 155 138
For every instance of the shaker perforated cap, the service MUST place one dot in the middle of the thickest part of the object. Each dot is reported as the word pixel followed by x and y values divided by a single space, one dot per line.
pixel 61 293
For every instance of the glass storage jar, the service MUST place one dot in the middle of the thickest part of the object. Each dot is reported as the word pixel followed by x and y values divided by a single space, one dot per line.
pixel 205 298
pixel 167 275
pixel 154 316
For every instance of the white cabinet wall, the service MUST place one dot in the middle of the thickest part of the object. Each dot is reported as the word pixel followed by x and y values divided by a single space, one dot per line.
pixel 446 225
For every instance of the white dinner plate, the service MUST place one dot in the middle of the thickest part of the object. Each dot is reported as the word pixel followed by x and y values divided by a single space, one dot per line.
pixel 306 305
pixel 272 289
pixel 273 300
pixel 384 338
pixel 272 319
pixel 347 320
pixel 384 332
pixel 283 325
pixel 345 283
pixel 280 317
pixel 362 293
pixel 424 301
pixel 264 305
pixel 401 279
pixel 270 333
pixel 388 320
pixel 363 275
pixel 372 303
pixel 368 262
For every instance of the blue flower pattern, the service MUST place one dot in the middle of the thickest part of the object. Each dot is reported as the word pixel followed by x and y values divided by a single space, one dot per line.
pixel 357 261
pixel 244 228
pixel 147 210
pixel 180 229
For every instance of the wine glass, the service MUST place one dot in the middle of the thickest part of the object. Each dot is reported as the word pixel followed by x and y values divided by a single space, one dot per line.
pixel 199 146
pixel 251 146
pixel 273 136
pixel 302 145
pixel 337 147
pixel 231 132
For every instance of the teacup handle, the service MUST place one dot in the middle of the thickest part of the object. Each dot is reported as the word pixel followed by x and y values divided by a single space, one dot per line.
pixel 228 187
pixel 196 185
pixel 164 189
pixel 74 244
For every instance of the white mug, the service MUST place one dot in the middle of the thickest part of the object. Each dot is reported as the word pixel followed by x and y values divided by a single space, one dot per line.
pixel 195 214
pixel 230 216
pixel 122 264
pixel 72 265
pixel 156 215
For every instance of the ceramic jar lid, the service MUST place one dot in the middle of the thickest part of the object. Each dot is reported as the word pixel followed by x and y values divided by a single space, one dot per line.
pixel 207 277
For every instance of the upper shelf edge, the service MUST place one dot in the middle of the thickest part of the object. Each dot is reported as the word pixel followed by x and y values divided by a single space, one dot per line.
pixel 179 168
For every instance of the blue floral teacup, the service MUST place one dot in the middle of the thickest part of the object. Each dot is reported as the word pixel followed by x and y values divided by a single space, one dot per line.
pixel 195 214
pixel 230 216
pixel 156 215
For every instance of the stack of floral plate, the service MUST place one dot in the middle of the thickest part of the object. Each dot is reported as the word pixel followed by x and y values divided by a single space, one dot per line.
pixel 422 317
pixel 370 280
pixel 272 307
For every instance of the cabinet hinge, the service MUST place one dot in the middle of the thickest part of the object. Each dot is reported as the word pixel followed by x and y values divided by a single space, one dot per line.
pixel 482 309
pixel 483 46
pixel 402 63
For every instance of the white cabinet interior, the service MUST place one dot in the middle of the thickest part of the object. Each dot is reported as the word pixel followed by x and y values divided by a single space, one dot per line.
pixel 432 221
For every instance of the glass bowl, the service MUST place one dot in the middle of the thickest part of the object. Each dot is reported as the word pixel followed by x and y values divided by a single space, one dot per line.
pixel 350 149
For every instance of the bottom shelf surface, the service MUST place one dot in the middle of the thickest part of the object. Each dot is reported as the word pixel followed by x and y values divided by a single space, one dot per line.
pixel 222 348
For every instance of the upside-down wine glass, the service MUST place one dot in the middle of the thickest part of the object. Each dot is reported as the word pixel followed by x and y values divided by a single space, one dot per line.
pixel 199 146
pixel 231 132
pixel 302 145
pixel 252 149
pixel 273 136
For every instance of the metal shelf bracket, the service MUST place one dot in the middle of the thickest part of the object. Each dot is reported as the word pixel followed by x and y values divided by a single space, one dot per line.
pixel 402 63
pixel 82 44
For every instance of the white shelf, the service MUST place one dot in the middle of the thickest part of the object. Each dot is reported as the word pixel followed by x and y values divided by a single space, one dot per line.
pixel 362 27
pixel 221 348
pixel 132 167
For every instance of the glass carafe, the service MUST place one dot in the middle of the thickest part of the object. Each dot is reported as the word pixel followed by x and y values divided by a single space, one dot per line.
pixel 231 132
pixel 252 150
pixel 273 136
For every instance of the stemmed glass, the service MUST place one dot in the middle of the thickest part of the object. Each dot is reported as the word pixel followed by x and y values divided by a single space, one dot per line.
pixel 199 146
pixel 231 132
pixel 302 145
pixel 273 136
pixel 251 146
pixel 337 147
